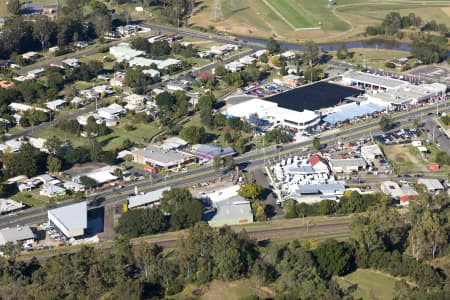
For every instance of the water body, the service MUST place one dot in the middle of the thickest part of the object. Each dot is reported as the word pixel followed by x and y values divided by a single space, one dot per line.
pixel 372 43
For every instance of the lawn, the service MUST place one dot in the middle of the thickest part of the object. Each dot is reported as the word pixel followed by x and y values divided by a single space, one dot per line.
pixel 371 284
pixel 406 159
pixel 30 198
pixel 345 20
pixel 142 133
pixel 375 58
pixel 295 12
pixel 224 290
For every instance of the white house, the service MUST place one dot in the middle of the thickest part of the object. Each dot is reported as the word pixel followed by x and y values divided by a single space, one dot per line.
pixel 152 73
pixel 234 66
pixel 135 102
pixel 56 105
pixel 113 111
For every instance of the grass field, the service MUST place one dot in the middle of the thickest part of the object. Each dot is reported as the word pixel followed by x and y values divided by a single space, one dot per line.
pixel 141 133
pixel 285 19
pixel 371 284
pixel 406 159
pixel 295 12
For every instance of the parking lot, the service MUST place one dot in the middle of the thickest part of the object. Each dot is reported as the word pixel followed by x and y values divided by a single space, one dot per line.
pixel 401 136
pixel 263 89
pixel 435 73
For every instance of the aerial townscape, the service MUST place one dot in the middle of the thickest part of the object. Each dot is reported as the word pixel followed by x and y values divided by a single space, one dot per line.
pixel 224 149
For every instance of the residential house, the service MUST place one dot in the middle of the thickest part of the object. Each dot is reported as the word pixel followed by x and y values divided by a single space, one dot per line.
pixel 8 206
pixel 56 105
pixel 31 56
pixel 291 80
pixel 152 73
pixel 71 62
pixel 234 67
pixel 52 191
pixel 135 102
pixel 5 84
pixel 123 51
pixel 113 111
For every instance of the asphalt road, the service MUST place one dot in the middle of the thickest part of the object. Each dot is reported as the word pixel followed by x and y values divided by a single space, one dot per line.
pixel 255 159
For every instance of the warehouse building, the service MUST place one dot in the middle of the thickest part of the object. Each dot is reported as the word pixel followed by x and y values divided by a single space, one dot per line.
pixel 271 112
pixel 16 235
pixel 70 220
pixel 149 199
pixel 369 81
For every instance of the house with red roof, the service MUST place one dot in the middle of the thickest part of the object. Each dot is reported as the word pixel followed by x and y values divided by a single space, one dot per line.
pixel 318 163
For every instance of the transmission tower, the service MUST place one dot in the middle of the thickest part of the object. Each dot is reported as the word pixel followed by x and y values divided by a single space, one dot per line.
pixel 217 11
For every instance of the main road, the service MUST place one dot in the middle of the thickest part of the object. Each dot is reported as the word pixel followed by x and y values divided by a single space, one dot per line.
pixel 255 159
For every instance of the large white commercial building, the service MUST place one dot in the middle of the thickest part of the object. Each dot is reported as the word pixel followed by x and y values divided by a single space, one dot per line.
pixel 372 81
pixel 70 220
pixel 271 112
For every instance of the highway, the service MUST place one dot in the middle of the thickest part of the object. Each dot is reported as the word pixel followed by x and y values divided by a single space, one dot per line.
pixel 255 159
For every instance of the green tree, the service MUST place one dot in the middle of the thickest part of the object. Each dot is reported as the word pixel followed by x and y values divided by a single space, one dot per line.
pixel 229 162
pixel 386 123
pixel 417 123
pixel 217 162
pixel 311 53
pixel 273 46
pixel 14 6
pixel 194 134
pixel 220 71
pixel 53 164
pixel 43 29
pixel 88 182
pixel 140 222
pixel 316 143
pixel 207 102
pixel 29 161
pixel 54 146
pixel 334 258
pixel 250 191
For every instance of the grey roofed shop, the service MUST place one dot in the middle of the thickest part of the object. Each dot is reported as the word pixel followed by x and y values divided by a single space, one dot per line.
pixel 373 80
pixel 15 234
pixel 71 220
pixel 431 184
pixel 149 198
pixel 232 211
pixel 159 156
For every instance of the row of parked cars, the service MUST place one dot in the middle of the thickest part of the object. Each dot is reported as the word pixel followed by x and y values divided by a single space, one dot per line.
pixel 52 232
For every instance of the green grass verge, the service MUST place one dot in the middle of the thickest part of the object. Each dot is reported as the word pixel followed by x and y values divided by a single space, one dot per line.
pixel 371 284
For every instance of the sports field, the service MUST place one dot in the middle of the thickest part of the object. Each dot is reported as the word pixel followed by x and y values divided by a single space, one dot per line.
pixel 299 20
pixel 294 12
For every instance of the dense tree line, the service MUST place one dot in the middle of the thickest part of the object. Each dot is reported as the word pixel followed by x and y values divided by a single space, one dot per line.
pixel 382 239
pixel 429 48
pixel 73 23
pixel 178 210
pixel 352 202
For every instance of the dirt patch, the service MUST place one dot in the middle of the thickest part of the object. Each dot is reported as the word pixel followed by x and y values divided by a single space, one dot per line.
pixel 405 160
pixel 446 10
pixel 79 169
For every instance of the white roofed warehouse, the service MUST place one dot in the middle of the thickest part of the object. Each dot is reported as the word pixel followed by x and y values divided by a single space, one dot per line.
pixel 270 111
pixel 70 220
